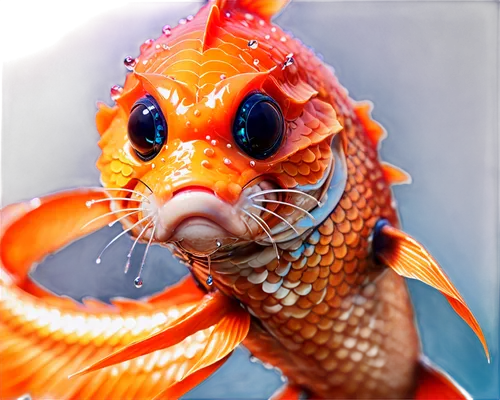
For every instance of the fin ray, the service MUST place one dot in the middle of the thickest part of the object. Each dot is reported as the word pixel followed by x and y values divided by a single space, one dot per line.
pixel 410 259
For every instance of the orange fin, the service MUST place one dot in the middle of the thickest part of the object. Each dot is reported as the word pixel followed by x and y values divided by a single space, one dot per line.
pixel 184 291
pixel 178 389
pixel 375 132
pixel 395 175
pixel 47 224
pixel 433 383
pixel 410 259
pixel 209 312
pixel 265 9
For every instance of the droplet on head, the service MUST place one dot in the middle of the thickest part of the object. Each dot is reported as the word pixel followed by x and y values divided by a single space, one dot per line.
pixel 98 260
pixel 167 30
pixel 218 243
pixel 213 142
pixel 197 113
pixel 182 21
pixel 253 44
pixel 208 152
pixel 138 282
pixel 153 165
pixel 267 37
pixel 157 46
pixel 130 63
pixel 116 92
pixel 222 77
pixel 228 15
pixel 252 163
pixel 147 44
pixel 165 47
pixel 249 16
pixel 228 145
pixel 205 164
pixel 273 29
pixel 189 18
pixel 283 39
pixel 210 280
pixel 256 62
pixel 162 159
pixel 227 161
pixel 261 22
pixel 207 137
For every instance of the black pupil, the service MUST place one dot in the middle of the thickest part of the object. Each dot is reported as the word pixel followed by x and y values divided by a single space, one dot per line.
pixel 263 126
pixel 141 129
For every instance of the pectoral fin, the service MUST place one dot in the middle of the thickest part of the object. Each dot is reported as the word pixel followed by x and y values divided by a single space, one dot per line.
pixel 207 335
pixel 410 259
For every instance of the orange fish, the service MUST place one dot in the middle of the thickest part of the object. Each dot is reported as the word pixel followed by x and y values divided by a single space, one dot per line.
pixel 236 147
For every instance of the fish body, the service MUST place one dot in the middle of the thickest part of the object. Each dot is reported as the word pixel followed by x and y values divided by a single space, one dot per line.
pixel 285 234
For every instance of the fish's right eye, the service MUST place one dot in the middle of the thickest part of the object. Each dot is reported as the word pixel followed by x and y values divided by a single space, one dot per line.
pixel 147 128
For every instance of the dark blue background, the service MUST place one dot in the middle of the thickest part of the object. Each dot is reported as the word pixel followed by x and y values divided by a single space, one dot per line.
pixel 431 69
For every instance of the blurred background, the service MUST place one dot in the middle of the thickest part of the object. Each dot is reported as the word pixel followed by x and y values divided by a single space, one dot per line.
pixel 431 69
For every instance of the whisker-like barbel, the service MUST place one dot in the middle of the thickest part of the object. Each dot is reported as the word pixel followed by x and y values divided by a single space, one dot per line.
pixel 129 255
pixel 135 211
pixel 268 233
pixel 90 202
pixel 138 280
pixel 277 216
pixel 270 191
pixel 287 204
pixel 120 190
pixel 98 260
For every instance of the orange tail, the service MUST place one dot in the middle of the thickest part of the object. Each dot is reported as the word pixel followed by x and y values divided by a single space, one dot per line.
pixel 45 339
pixel 434 384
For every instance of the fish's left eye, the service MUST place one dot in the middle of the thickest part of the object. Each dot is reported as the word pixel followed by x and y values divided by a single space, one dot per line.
pixel 259 126
pixel 147 128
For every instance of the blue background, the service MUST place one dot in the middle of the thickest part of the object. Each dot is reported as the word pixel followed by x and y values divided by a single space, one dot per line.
pixel 431 69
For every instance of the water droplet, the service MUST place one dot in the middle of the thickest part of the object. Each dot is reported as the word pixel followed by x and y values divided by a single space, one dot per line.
pixel 210 280
pixel 254 359
pixel 267 37
pixel 167 30
pixel 189 18
pixel 213 142
pixel 182 21
pixel 130 63
pixel 228 15
pixel 205 164
pixel 218 244
pixel 162 159
pixel 116 92
pixel 188 124
pixel 273 29
pixel 98 260
pixel 222 77
pixel 157 46
pixel 228 145
pixel 227 161
pixel 208 152
pixel 138 282
pixel 197 113
pixel 165 47
pixel 153 165
pixel 207 137
pixel 249 16
pixel 283 39
pixel 253 44
pixel 261 22
pixel 252 163
pixel 256 62
pixel 89 204
pixel 147 44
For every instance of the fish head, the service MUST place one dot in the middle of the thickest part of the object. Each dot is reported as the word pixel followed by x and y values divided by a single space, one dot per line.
pixel 220 133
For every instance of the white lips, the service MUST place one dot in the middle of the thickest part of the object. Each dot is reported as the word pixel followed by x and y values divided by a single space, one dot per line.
pixel 192 204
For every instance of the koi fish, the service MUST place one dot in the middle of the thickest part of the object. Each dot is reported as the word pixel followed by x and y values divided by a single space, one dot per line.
pixel 235 147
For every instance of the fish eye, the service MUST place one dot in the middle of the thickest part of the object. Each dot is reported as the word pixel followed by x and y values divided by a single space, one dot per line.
pixel 147 128
pixel 259 126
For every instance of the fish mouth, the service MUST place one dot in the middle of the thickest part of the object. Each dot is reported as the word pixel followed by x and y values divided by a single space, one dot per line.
pixel 198 220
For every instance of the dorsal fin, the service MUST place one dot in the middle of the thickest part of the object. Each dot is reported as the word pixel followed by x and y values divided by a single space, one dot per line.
pixel 375 132
pixel 265 9
pixel 394 175
pixel 211 26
